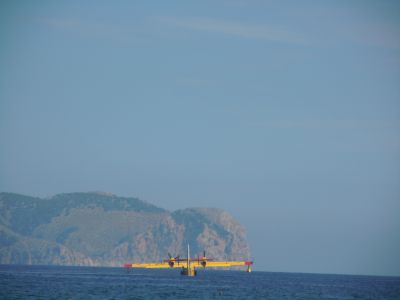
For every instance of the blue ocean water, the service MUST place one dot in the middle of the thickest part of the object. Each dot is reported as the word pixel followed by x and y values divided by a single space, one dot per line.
pixel 54 282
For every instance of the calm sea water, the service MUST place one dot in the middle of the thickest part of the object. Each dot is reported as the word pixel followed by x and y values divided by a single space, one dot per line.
pixel 53 282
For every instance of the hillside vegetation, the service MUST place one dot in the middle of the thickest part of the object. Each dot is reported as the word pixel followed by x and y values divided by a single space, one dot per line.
pixel 99 229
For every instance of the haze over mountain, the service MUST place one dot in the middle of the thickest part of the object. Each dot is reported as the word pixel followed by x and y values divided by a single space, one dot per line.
pixel 287 115
pixel 104 229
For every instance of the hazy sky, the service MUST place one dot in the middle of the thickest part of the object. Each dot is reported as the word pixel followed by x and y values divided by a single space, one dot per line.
pixel 284 113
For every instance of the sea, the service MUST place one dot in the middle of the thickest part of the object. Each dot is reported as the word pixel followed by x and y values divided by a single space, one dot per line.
pixel 55 282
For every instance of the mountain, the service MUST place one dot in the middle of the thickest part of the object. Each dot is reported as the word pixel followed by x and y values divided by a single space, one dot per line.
pixel 99 229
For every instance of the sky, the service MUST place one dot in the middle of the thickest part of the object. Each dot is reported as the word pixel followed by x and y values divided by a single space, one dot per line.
pixel 284 113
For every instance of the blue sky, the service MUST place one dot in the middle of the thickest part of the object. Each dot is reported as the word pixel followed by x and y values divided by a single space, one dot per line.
pixel 284 113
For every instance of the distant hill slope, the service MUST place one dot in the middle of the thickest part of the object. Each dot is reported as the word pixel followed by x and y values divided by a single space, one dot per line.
pixel 101 229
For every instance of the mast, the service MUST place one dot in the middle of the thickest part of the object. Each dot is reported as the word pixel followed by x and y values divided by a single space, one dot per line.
pixel 188 258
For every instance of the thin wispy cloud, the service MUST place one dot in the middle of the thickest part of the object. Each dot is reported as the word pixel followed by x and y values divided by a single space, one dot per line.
pixel 122 33
pixel 380 34
pixel 228 28
pixel 331 124
pixel 239 29
pixel 76 25
pixel 61 23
